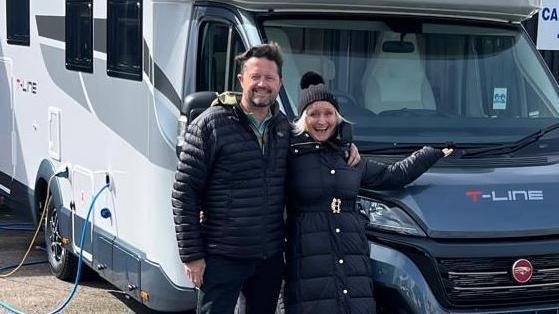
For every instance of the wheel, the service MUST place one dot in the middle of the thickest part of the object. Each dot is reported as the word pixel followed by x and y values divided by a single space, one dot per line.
pixel 63 264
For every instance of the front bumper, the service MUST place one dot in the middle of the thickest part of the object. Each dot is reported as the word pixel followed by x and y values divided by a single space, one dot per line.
pixel 401 287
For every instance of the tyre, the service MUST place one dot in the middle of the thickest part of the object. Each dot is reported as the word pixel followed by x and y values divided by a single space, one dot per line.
pixel 63 264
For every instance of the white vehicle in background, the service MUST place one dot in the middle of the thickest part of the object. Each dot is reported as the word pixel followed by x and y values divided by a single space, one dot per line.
pixel 98 87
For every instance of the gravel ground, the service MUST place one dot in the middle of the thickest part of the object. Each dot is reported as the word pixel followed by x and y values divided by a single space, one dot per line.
pixel 34 290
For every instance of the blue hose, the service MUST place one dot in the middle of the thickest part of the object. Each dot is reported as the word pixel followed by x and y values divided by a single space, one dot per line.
pixel 78 274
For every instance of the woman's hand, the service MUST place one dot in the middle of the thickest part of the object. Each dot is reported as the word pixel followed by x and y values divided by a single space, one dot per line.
pixel 447 151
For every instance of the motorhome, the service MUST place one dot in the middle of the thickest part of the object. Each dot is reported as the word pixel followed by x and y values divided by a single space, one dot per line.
pixel 101 88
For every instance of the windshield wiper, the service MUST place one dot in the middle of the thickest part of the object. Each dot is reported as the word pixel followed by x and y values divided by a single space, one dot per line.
pixel 407 148
pixel 512 147
pixel 388 148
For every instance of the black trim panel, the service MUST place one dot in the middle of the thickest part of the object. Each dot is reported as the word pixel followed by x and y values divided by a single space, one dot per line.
pixel 51 26
pixel 163 84
pixel 6 181
pixel 148 61
pixel 19 201
pixel 100 35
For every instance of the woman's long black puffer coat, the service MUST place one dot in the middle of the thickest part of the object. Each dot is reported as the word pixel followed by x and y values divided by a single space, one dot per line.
pixel 328 267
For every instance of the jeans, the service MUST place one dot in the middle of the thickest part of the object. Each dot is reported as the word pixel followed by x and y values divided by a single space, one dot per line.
pixel 224 278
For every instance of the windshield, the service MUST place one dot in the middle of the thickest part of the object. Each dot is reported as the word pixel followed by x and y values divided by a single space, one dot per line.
pixel 410 81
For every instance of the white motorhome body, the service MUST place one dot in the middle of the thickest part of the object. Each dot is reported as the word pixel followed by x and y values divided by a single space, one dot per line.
pixel 99 124
pixel 98 96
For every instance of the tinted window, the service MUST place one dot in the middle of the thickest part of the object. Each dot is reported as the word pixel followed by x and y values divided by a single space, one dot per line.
pixel 413 81
pixel 124 39
pixel 212 58
pixel 79 35
pixel 237 48
pixel 217 69
pixel 17 15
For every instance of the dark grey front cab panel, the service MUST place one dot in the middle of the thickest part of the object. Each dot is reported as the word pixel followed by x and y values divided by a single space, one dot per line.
pixel 482 203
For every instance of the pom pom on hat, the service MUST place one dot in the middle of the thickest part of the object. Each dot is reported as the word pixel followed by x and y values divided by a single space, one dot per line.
pixel 313 90
pixel 310 78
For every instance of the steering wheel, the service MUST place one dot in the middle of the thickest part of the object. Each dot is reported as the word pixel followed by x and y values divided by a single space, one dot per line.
pixel 350 107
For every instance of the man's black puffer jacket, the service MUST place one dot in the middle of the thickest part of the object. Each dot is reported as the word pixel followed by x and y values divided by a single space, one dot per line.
pixel 223 171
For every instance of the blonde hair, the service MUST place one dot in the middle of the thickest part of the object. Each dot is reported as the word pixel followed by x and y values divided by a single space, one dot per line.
pixel 300 125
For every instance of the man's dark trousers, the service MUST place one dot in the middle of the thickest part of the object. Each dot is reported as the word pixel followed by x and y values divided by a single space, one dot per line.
pixel 224 278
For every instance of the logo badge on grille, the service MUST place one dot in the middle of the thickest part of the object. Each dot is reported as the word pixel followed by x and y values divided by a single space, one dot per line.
pixel 522 270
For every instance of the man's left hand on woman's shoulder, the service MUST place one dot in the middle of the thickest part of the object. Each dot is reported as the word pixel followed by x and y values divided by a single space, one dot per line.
pixel 354 158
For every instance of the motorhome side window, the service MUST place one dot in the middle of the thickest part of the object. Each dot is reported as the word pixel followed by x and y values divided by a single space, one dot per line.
pixel 219 44
pixel 17 22
pixel 124 39
pixel 79 35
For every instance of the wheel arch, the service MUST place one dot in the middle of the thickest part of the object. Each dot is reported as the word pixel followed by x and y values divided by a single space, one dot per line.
pixel 45 171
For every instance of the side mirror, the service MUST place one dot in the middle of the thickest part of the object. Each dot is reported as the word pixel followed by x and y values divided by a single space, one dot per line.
pixel 192 106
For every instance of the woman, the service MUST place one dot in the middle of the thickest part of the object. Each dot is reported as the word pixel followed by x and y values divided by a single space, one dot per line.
pixel 328 267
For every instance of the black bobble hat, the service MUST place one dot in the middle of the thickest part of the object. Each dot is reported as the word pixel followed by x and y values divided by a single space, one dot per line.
pixel 313 89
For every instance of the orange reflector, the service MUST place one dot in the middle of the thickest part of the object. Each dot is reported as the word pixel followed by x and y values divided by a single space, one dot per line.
pixel 144 296
pixel 65 241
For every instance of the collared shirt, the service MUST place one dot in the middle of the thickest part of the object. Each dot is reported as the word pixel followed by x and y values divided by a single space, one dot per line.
pixel 260 129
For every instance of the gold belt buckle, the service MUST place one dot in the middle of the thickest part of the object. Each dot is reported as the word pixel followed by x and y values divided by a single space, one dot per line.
pixel 336 203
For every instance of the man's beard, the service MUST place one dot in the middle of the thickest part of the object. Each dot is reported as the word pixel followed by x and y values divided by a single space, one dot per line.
pixel 262 102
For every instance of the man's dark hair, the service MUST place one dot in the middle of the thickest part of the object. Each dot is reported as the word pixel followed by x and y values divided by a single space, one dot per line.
pixel 269 51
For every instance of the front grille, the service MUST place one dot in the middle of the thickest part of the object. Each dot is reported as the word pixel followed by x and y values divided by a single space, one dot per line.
pixel 488 282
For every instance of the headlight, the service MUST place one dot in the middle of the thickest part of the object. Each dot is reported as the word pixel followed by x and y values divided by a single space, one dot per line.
pixel 388 218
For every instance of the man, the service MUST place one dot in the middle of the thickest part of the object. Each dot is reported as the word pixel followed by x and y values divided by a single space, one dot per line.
pixel 233 165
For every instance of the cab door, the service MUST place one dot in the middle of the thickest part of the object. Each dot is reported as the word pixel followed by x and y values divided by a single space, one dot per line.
pixel 218 38
pixel 213 46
